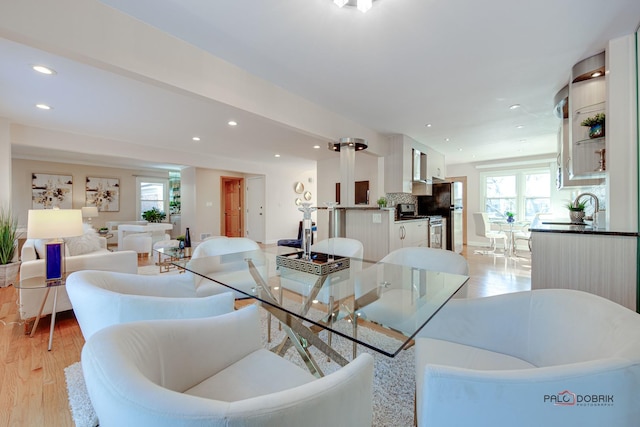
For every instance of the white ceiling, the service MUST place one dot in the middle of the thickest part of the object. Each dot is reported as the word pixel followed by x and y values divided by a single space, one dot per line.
pixel 457 65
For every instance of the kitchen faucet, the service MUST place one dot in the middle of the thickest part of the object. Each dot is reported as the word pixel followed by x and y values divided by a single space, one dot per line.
pixel 596 203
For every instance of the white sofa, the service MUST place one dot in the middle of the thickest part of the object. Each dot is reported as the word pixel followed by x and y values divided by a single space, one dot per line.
pixel 214 371
pixel 32 266
pixel 535 358
pixel 105 298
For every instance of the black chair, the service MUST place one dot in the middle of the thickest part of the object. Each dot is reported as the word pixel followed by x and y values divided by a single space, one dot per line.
pixel 296 243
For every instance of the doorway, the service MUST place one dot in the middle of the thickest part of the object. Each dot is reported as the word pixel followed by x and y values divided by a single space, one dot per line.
pixel 232 222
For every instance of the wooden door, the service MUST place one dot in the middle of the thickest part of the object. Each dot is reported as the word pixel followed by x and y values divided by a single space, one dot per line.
pixel 232 201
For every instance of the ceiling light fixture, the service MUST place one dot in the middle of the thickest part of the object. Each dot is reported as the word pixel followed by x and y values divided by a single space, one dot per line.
pixel 596 74
pixel 428 125
pixel 44 70
pixel 316 147
pixel 276 155
pixel 514 106
pixel 519 127
pixel 196 138
pixel 232 123
pixel 359 143
pixel 362 5
pixel 43 106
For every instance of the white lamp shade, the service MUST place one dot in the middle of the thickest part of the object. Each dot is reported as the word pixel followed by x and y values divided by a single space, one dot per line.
pixel 54 223
pixel 89 211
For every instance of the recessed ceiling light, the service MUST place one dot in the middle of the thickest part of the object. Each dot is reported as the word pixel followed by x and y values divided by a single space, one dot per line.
pixel 596 74
pixel 519 126
pixel 43 106
pixel 316 147
pixel 232 123
pixel 196 138
pixel 44 70
pixel 514 106
pixel 446 139
pixel 459 149
pixel 277 155
pixel 428 125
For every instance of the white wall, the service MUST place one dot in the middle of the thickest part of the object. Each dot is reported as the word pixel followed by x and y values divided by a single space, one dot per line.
pixel 21 186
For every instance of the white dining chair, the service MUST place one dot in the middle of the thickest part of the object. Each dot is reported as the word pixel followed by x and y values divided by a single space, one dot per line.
pixel 483 229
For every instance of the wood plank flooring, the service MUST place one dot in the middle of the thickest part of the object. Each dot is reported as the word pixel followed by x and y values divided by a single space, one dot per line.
pixel 33 389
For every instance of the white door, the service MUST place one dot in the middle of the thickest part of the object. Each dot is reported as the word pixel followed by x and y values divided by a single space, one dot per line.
pixel 255 209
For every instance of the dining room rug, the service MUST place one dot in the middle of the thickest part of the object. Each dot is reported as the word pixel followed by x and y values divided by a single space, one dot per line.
pixel 393 382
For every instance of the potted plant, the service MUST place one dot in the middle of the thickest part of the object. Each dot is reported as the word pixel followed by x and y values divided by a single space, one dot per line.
pixel 382 202
pixel 576 212
pixel 8 242
pixel 154 215
pixel 595 125
pixel 510 217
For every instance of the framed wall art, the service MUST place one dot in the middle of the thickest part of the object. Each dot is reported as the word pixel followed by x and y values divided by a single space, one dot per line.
pixel 104 193
pixel 49 191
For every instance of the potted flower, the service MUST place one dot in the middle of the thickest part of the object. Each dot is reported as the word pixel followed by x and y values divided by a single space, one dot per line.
pixel 576 212
pixel 154 215
pixel 510 217
pixel 382 202
pixel 8 242
pixel 595 125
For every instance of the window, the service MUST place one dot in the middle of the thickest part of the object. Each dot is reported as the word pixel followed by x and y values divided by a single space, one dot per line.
pixel 523 192
pixel 152 192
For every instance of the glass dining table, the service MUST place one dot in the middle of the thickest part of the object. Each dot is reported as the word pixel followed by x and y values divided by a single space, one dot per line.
pixel 337 294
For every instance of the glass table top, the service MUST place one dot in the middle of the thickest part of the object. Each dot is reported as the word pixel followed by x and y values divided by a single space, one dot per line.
pixel 363 293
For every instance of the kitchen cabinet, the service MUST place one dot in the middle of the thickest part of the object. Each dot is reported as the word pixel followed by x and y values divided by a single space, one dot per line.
pixel 409 233
pixel 586 99
pixel 398 165
pixel 600 263
pixel 435 164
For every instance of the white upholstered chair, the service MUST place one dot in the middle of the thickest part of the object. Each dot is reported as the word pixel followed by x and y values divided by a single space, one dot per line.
pixel 388 309
pixel 104 298
pixel 139 242
pixel 532 358
pixel 214 372
pixel 483 229
pixel 221 245
pixel 332 292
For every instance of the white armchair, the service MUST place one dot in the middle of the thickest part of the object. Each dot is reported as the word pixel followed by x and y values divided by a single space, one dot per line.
pixel 104 298
pixel 239 276
pixel 214 371
pixel 534 358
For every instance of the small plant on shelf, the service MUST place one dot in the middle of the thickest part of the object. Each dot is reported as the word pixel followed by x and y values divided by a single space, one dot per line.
pixel 382 202
pixel 595 125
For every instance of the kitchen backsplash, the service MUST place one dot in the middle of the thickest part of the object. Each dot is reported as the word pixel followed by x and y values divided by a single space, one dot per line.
pixel 394 198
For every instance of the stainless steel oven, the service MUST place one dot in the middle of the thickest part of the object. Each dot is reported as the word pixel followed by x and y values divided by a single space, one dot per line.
pixel 435 232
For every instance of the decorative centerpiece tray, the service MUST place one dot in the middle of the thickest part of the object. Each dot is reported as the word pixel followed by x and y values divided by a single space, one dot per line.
pixel 319 263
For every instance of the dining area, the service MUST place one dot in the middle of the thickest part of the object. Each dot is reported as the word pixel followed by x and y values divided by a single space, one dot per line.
pixel 329 314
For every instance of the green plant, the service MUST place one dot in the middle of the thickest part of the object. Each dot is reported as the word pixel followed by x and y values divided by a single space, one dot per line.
pixel 592 121
pixel 180 238
pixel 382 201
pixel 154 215
pixel 577 207
pixel 8 236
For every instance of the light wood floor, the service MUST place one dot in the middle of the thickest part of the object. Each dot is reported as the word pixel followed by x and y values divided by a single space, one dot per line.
pixel 33 390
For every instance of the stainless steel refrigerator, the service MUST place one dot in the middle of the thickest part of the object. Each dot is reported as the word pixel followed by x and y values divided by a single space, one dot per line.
pixel 446 200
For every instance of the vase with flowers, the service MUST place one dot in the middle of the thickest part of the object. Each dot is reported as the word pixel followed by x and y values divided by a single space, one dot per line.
pixel 595 125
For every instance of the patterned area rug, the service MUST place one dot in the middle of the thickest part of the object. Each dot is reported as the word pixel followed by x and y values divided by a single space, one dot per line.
pixel 393 383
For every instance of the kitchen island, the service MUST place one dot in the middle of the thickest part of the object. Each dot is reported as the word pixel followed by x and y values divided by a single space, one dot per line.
pixel 377 228
pixel 596 260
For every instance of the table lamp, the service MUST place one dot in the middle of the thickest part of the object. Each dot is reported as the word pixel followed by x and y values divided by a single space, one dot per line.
pixel 89 212
pixel 54 224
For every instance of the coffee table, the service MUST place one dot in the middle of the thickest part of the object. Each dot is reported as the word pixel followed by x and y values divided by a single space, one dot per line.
pixel 167 257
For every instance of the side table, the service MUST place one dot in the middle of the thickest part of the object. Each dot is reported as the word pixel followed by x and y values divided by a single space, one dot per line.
pixel 42 283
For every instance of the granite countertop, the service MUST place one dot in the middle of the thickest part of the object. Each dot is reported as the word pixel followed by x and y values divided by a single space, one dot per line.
pixel 564 226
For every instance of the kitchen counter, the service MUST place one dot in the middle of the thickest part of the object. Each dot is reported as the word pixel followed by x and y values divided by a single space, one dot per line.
pixel 552 226
pixel 596 260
